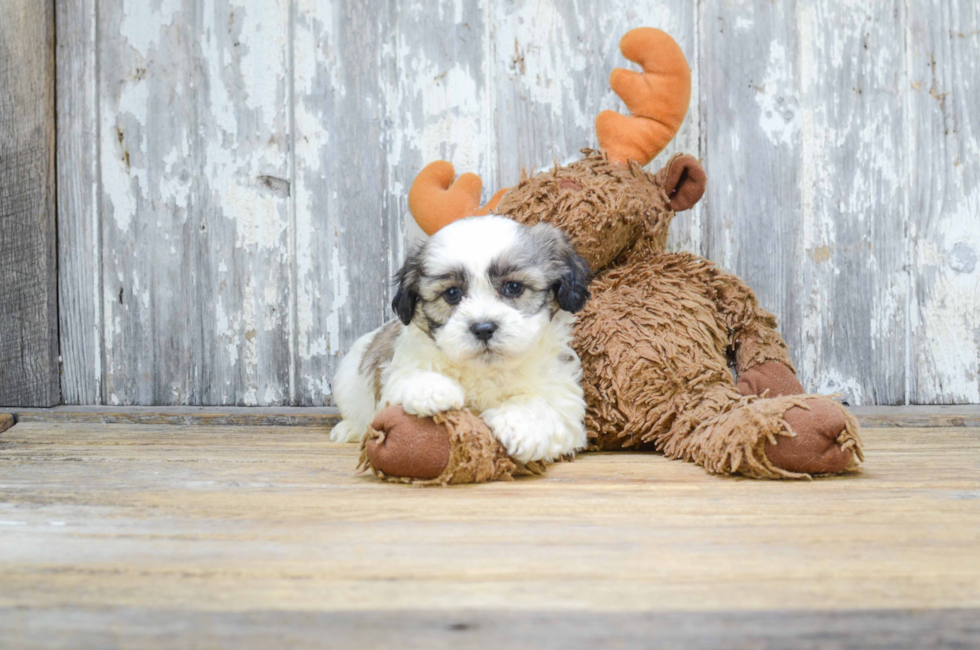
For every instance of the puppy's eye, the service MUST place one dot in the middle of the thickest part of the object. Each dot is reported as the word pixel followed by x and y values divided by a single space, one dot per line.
pixel 512 289
pixel 452 295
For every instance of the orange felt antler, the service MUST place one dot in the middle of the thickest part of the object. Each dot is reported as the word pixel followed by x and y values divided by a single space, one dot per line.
pixel 438 198
pixel 657 98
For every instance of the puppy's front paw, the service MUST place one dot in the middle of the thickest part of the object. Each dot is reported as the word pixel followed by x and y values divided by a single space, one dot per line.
pixel 432 395
pixel 524 437
pixel 347 431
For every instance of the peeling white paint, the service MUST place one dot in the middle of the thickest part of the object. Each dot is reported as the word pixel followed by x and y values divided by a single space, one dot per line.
pixel 850 390
pixel 265 30
pixel 123 182
pixel 778 98
pixel 142 24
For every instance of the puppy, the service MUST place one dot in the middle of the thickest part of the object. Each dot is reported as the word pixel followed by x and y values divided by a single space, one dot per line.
pixel 485 322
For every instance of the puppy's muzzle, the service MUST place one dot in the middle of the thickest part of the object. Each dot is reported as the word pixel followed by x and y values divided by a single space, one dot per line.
pixel 483 331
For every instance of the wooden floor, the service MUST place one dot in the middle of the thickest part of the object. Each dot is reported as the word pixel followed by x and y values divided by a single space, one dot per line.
pixel 125 535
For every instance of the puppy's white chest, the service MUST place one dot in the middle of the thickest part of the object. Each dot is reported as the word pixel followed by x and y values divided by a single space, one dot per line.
pixel 485 391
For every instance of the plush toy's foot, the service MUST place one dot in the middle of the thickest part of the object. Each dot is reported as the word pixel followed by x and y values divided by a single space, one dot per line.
pixel 793 436
pixel 450 448
pixel 826 440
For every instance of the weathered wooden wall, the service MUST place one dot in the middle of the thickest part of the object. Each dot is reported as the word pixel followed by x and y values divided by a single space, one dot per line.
pixel 233 175
pixel 28 256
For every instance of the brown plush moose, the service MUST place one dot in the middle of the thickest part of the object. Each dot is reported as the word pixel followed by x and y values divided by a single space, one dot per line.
pixel 662 332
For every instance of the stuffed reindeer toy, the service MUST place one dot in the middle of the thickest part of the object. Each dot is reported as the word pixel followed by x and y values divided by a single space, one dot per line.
pixel 676 355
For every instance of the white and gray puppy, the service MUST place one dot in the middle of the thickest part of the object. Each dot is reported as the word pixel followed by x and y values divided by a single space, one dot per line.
pixel 485 310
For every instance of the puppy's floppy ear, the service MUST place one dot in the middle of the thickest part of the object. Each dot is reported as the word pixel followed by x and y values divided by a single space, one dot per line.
pixel 407 280
pixel 571 285
pixel 572 289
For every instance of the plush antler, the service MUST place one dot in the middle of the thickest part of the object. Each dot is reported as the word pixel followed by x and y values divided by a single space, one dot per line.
pixel 657 98
pixel 438 198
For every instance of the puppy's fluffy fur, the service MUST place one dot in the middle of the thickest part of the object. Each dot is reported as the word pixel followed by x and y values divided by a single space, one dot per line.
pixel 485 322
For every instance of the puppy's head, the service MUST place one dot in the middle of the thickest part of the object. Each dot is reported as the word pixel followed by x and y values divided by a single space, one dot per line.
pixel 485 288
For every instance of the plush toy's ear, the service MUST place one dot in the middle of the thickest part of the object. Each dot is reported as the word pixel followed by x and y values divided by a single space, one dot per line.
pixel 407 278
pixel 684 180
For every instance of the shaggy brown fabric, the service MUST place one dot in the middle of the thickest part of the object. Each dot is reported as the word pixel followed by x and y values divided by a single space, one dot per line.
pixel 459 441
pixel 737 438
pixel 615 206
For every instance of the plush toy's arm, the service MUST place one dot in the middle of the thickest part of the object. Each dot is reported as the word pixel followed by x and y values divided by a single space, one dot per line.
pixel 761 359
pixel 452 447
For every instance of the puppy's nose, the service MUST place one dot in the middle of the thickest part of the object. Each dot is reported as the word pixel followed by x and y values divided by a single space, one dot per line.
pixel 483 331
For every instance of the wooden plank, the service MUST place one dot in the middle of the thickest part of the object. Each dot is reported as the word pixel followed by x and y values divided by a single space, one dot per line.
pixel 944 143
pixel 338 107
pixel 195 144
pixel 920 417
pixel 803 110
pixel 28 248
pixel 79 239
pixel 962 415
pixel 245 255
pixel 851 260
pixel 149 217
pixel 218 519
pixel 751 114
pixel 237 416
pixel 149 629
pixel 547 81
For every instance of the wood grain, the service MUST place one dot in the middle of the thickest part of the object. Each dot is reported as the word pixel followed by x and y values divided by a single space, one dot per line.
pixel 341 259
pixel 28 244
pixel 194 135
pixel 128 524
pixel 851 260
pixel 79 197
pixel 324 417
pixel 149 629
pixel 806 156
pixel 944 216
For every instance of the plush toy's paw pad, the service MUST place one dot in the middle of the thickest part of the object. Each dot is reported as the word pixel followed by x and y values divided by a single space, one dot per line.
pixel 434 395
pixel 409 447
pixel 773 376
pixel 522 436
pixel 815 448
